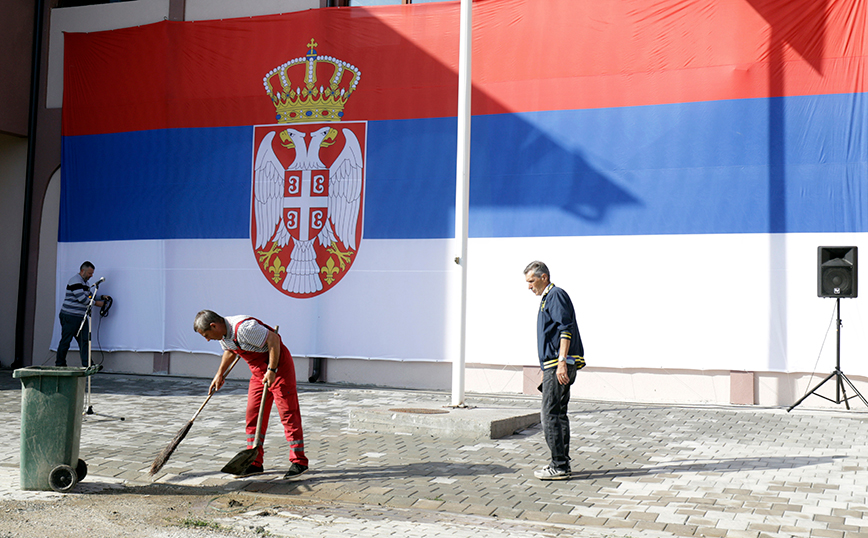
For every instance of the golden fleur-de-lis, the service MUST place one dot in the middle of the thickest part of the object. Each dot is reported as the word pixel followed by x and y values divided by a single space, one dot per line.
pixel 275 269
pixel 329 270
pixel 265 255
pixel 343 257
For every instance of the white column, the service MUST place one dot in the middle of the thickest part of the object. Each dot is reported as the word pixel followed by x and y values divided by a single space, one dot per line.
pixel 462 194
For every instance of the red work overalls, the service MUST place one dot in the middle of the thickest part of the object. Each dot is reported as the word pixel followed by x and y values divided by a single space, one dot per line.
pixel 283 392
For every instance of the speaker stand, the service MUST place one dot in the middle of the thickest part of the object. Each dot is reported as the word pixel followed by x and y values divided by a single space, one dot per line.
pixel 840 390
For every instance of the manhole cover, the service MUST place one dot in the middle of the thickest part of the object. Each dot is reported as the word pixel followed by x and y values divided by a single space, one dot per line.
pixel 420 411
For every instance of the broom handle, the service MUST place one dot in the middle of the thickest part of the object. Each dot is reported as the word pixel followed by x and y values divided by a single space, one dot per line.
pixel 262 406
pixel 201 407
pixel 259 418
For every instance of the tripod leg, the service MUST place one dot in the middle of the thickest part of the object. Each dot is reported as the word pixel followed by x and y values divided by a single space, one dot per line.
pixel 813 390
pixel 838 376
pixel 89 410
pixel 847 379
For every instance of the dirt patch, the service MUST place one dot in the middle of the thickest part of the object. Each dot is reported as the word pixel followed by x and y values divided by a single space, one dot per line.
pixel 152 511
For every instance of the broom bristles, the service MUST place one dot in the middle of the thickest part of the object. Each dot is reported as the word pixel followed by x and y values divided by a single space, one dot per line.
pixel 166 453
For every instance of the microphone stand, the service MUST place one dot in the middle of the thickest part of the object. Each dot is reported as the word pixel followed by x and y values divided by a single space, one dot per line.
pixel 87 319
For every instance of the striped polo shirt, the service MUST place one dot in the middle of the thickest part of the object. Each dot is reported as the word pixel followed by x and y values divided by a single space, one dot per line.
pixel 77 296
pixel 251 334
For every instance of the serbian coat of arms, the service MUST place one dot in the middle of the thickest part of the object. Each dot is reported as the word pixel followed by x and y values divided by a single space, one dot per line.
pixel 308 177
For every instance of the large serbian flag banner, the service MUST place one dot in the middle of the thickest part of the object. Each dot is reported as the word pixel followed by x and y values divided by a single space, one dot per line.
pixel 676 163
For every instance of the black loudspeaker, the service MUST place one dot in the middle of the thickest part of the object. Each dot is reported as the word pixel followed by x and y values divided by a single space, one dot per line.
pixel 836 271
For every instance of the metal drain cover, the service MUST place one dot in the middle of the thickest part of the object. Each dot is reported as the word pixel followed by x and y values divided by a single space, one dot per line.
pixel 420 411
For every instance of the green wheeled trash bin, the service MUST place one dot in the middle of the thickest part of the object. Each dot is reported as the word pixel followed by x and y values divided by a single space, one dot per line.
pixel 52 400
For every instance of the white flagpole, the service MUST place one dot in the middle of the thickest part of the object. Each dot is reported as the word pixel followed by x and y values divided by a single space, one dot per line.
pixel 462 191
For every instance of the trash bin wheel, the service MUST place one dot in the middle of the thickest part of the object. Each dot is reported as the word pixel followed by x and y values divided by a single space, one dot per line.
pixel 80 470
pixel 62 478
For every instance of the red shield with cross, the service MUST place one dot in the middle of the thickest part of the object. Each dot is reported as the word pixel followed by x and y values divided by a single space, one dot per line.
pixel 307 204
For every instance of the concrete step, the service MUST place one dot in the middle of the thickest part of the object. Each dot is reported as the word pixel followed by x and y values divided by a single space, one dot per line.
pixel 470 423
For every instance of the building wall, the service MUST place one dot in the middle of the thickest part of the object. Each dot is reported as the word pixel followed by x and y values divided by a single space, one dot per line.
pixel 645 385
pixel 13 155
pixel 125 14
pixel 93 19
pixel 13 161
pixel 46 304
pixel 198 10
pixel 16 35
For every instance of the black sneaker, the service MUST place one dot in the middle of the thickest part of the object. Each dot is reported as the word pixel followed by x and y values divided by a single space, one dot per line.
pixel 251 470
pixel 295 470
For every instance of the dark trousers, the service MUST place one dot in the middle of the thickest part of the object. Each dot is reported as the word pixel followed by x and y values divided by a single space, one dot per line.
pixel 69 325
pixel 556 424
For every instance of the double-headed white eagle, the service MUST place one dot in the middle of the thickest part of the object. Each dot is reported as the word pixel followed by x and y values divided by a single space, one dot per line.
pixel 344 199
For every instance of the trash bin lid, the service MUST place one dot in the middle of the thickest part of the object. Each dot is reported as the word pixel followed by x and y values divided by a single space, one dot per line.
pixel 55 371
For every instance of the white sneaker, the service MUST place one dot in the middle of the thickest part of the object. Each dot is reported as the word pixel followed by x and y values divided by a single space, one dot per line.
pixel 550 473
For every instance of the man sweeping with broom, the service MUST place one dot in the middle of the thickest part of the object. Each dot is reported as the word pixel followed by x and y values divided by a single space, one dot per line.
pixel 271 368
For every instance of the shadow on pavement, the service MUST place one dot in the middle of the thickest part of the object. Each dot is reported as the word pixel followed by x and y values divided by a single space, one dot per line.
pixel 733 465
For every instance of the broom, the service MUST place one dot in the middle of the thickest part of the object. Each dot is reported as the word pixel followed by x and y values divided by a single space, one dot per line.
pixel 166 453
pixel 164 456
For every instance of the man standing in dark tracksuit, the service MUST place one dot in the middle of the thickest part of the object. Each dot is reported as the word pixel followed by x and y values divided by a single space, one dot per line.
pixel 561 355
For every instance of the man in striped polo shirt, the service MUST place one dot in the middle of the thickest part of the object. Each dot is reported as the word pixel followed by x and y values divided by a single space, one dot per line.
pixel 271 366
pixel 72 311
pixel 561 355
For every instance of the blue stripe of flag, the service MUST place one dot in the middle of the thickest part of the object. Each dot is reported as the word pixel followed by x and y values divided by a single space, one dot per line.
pixel 797 164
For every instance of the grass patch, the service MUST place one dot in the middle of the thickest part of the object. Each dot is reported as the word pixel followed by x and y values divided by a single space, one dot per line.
pixel 199 524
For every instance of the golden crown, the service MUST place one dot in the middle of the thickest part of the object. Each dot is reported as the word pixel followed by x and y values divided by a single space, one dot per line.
pixel 310 103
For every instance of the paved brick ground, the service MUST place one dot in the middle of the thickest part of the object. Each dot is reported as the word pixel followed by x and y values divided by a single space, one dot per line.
pixel 639 470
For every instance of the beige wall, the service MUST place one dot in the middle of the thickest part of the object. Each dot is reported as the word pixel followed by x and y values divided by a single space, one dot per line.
pixel 16 41
pixel 93 19
pixel 685 386
pixel 46 307
pixel 13 167
pixel 125 14
pixel 197 10
pixel 13 151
